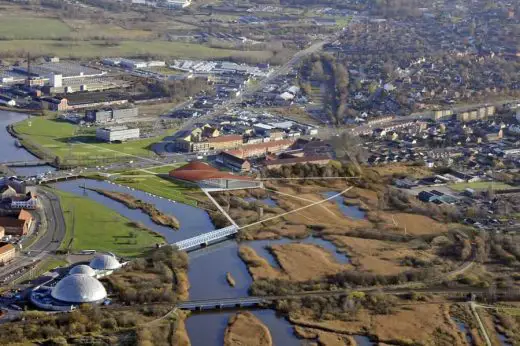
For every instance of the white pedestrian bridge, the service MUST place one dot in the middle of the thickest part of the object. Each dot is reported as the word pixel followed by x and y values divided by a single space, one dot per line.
pixel 205 239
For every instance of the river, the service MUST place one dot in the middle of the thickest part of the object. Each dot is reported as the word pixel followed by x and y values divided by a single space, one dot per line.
pixel 10 152
pixel 208 267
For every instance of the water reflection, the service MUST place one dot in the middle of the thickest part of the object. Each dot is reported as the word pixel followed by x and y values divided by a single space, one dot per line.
pixel 207 329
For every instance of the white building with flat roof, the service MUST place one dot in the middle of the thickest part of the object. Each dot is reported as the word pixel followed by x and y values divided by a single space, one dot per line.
pixel 117 133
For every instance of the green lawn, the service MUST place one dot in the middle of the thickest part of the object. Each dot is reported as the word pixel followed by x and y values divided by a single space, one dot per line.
pixel 94 49
pixel 481 185
pixel 161 187
pixel 53 139
pixel 95 227
pixel 32 28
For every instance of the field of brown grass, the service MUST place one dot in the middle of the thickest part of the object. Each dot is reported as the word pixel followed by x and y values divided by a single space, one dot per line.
pixel 245 329
pixel 298 262
pixel 420 324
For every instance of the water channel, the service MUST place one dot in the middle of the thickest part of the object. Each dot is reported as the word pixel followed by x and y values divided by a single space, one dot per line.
pixel 351 211
pixel 208 267
pixel 10 152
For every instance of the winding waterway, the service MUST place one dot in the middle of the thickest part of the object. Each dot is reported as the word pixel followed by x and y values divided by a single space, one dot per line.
pixel 208 267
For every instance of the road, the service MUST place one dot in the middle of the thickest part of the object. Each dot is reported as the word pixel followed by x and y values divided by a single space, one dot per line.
pixel 283 69
pixel 48 242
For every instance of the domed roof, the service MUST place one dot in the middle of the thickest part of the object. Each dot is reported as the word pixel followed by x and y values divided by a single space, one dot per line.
pixel 105 262
pixel 82 269
pixel 79 288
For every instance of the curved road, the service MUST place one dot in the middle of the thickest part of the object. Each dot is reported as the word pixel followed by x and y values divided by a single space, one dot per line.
pixel 46 244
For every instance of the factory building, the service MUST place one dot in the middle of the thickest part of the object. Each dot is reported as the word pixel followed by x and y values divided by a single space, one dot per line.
pixel 107 115
pixel 133 64
pixel 117 133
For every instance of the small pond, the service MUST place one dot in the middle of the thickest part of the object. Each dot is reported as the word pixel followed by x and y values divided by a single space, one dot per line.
pixel 260 246
pixel 267 201
pixel 351 211
pixel 464 329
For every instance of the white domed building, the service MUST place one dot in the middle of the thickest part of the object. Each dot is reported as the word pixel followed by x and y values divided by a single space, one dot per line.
pixel 104 265
pixel 83 269
pixel 79 289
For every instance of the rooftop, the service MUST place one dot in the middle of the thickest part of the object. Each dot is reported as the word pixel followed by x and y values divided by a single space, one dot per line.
pixel 197 171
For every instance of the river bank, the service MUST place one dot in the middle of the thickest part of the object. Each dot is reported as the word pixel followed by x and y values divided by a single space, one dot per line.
pixel 157 216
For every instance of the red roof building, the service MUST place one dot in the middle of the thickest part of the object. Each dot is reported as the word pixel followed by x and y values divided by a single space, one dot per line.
pixel 206 175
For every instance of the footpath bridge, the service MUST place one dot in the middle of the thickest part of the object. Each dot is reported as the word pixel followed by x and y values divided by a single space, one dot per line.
pixel 206 238
pixel 30 163
pixel 262 301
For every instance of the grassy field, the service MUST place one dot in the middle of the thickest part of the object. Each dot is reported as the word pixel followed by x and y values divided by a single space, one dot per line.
pixel 128 48
pixel 481 185
pixel 54 138
pixel 95 227
pixel 161 187
pixel 32 28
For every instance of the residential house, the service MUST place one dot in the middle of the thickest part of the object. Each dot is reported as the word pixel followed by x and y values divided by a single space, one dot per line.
pixel 233 162
pixel 28 201
pixel 7 253
pixel 317 160
pixel 18 226
pixel 7 192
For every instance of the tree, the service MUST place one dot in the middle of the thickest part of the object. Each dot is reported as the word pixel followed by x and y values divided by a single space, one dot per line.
pixel 57 161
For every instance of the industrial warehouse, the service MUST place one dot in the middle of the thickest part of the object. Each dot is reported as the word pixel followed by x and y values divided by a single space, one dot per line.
pixel 79 286
pixel 117 134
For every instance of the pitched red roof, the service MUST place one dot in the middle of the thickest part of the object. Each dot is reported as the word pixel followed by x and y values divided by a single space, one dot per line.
pixel 197 171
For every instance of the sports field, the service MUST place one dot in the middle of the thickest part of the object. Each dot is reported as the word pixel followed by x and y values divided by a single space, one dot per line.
pixel 92 226
pixel 481 185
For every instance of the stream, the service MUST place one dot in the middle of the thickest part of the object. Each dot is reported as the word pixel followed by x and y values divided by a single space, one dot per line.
pixel 208 267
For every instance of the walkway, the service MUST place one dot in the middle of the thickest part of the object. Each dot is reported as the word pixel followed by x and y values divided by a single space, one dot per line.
pixel 219 207
pixel 298 209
